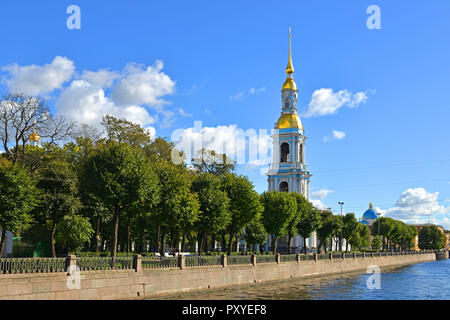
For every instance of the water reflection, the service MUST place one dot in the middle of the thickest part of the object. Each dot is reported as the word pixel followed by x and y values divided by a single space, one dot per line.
pixel 427 280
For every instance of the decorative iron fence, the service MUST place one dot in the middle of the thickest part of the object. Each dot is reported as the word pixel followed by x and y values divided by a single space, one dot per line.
pixel 195 261
pixel 31 265
pixel 306 257
pixel 288 257
pixel 359 255
pixel 104 263
pixel 323 256
pixel 337 256
pixel 265 258
pixel 349 255
pixel 159 262
pixel 239 259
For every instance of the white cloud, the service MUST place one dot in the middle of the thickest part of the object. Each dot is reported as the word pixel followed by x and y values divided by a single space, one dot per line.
pixel 184 113
pixel 36 80
pixel 338 135
pixel 237 96
pixel 141 85
pixel 87 103
pixel 319 205
pixel 416 205
pixel 102 78
pixel 322 193
pixel 245 147
pixel 256 91
pixel 324 101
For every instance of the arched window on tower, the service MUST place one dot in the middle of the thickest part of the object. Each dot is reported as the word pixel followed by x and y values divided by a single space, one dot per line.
pixel 286 103
pixel 300 151
pixel 284 187
pixel 284 151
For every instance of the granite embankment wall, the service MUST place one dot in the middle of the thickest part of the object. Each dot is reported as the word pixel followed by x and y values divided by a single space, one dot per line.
pixel 148 283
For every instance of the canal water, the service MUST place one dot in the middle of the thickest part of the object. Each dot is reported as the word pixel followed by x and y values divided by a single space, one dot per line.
pixel 426 280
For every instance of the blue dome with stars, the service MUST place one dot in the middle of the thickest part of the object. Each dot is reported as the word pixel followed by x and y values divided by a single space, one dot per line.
pixel 370 214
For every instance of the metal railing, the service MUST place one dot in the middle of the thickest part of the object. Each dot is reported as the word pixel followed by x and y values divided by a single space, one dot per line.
pixel 265 258
pixel 195 261
pixel 239 260
pixel 307 257
pixel 159 262
pixel 337 256
pixel 349 256
pixel 104 263
pixel 323 256
pixel 31 265
pixel 288 257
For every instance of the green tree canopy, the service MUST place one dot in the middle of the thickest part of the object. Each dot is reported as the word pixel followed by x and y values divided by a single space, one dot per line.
pixel 73 232
pixel 244 205
pixel 431 238
pixel 279 210
pixel 18 197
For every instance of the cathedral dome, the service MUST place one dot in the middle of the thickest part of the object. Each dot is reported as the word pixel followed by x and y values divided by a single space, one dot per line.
pixel 288 121
pixel 370 214
pixel 289 84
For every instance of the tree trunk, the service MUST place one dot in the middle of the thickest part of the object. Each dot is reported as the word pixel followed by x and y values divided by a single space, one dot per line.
pixel 289 244
pixel 97 232
pixel 2 242
pixel 230 245
pixel 346 246
pixel 304 245
pixel 52 239
pixel 224 242
pixel 128 238
pixel 158 248
pixel 115 231
pixel 163 242
pixel 274 245
pixel 183 242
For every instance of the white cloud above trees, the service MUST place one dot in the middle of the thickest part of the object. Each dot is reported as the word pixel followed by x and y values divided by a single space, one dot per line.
pixel 325 101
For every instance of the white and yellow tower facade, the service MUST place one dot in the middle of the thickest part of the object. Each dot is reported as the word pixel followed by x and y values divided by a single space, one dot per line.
pixel 288 171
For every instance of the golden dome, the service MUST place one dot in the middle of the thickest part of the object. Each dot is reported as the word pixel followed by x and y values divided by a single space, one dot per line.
pixel 289 84
pixel 288 121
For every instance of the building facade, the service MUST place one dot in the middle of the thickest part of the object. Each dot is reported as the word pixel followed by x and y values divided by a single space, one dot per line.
pixel 288 171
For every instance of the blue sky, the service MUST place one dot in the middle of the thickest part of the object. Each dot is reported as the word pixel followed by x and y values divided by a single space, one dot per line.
pixel 223 63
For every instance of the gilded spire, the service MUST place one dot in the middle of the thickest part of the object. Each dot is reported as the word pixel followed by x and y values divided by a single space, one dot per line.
pixel 290 67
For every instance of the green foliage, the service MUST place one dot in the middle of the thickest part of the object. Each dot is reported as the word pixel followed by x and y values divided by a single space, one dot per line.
pixel 431 238
pixel 279 210
pixel 124 131
pixel 330 225
pixel 244 205
pixel 376 242
pixel 18 196
pixel 310 219
pixel 208 161
pixel 349 228
pixel 255 233
pixel 74 231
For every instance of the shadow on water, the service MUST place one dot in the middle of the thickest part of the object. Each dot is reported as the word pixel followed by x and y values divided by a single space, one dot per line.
pixel 426 280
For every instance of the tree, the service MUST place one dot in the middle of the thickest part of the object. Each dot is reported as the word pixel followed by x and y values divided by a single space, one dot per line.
pixel 59 185
pixel 309 219
pixel 120 176
pixel 18 197
pixel 178 208
pixel 279 209
pixel 431 238
pixel 349 228
pixel 330 224
pixel 244 205
pixel 73 232
pixel 255 233
pixel 209 161
pixel 376 242
pixel 19 115
pixel 124 131
pixel 214 214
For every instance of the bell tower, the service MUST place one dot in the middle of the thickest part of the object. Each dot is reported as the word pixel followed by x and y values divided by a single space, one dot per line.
pixel 288 171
